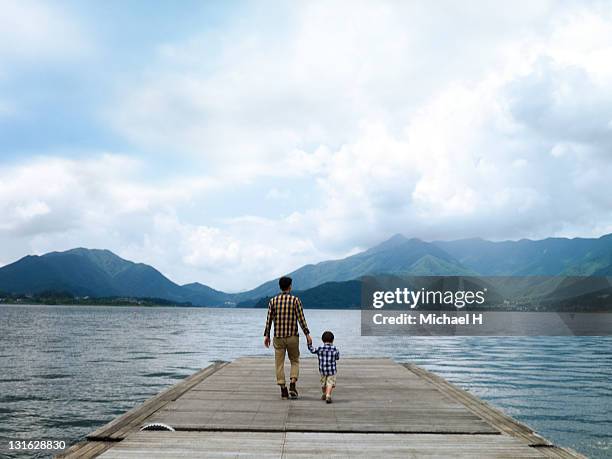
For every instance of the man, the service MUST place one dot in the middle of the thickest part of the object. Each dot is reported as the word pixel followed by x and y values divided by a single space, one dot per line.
pixel 285 310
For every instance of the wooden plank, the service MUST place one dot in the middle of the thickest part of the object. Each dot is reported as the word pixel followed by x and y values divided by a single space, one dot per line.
pixel 119 426
pixel 372 396
pixel 380 409
pixel 479 407
pixel 322 444
pixel 85 449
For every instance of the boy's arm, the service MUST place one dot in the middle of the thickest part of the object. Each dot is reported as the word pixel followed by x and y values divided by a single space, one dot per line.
pixel 337 354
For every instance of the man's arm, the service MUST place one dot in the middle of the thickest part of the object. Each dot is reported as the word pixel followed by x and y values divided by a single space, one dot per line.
pixel 269 320
pixel 302 319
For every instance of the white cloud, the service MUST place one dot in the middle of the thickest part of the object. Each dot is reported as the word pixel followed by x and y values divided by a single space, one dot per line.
pixel 257 97
pixel 237 255
pixel 468 165
pixel 32 209
pixel 35 30
pixel 51 197
pixel 276 194
pixel 33 34
pixel 439 121
pixel 106 202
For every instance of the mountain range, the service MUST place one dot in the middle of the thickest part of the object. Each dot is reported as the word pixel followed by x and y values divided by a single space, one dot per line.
pixel 101 273
pixel 98 273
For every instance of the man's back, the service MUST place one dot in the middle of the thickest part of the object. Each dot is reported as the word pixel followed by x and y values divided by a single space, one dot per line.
pixel 285 310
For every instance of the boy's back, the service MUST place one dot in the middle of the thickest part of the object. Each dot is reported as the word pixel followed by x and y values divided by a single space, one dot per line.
pixel 328 354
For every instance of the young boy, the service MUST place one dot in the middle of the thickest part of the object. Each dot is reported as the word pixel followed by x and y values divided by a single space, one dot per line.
pixel 328 354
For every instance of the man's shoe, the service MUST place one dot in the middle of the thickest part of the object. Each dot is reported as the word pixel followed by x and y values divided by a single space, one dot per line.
pixel 284 393
pixel 293 393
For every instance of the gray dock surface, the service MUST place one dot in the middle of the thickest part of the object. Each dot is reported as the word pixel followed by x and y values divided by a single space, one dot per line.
pixel 381 409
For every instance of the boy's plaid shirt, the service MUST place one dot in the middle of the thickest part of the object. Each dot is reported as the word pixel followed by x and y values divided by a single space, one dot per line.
pixel 285 310
pixel 328 354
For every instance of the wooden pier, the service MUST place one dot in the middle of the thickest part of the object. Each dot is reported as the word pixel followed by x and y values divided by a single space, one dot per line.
pixel 381 409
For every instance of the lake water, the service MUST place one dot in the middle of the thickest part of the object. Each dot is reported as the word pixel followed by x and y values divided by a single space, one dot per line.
pixel 67 370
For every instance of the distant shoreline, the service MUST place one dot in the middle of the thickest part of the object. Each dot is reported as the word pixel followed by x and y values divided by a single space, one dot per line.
pixel 105 301
pixel 151 303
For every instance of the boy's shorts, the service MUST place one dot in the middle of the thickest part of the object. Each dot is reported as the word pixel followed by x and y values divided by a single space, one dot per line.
pixel 328 380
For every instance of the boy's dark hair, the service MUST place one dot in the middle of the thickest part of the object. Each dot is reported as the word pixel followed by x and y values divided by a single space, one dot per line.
pixel 284 283
pixel 328 337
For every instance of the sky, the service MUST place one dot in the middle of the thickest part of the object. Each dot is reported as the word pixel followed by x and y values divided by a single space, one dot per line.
pixel 230 142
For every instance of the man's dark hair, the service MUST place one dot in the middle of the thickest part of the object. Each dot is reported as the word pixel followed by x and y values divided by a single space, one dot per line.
pixel 328 337
pixel 284 283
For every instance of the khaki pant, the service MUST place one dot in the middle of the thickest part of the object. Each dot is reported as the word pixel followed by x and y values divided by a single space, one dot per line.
pixel 290 344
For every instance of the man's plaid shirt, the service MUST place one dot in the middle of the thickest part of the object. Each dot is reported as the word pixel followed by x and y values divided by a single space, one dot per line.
pixel 328 354
pixel 285 310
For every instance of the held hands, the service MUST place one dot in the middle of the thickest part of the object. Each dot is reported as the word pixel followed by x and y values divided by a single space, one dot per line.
pixel 309 340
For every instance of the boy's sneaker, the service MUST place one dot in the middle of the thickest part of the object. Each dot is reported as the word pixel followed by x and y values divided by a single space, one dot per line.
pixel 328 399
pixel 323 397
pixel 284 393
pixel 293 393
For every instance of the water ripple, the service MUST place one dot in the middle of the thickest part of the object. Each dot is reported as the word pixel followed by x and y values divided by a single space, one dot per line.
pixel 68 370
